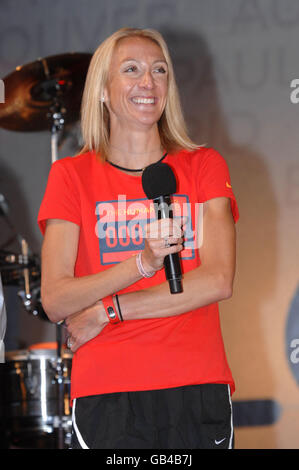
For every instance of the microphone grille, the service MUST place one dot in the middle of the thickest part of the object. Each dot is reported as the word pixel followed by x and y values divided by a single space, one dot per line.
pixel 158 179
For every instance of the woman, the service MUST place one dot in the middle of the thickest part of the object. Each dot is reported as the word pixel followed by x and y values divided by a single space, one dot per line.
pixel 149 368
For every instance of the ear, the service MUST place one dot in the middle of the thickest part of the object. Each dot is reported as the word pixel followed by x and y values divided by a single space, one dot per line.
pixel 105 95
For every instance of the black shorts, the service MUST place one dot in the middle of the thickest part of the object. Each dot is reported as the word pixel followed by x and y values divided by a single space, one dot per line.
pixel 189 417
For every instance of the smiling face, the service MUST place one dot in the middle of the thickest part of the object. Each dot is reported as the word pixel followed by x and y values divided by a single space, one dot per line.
pixel 136 91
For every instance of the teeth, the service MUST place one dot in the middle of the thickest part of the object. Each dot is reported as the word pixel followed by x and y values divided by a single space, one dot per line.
pixel 144 100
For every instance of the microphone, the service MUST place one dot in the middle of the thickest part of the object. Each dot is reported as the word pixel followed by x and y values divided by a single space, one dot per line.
pixel 159 183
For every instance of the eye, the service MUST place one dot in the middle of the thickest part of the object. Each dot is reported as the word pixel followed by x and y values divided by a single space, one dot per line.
pixel 161 69
pixel 131 68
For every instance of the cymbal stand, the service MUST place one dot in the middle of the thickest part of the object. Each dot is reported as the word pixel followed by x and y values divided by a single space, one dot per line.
pixel 56 116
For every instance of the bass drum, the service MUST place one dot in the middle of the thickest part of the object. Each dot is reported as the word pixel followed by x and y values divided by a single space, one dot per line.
pixel 34 413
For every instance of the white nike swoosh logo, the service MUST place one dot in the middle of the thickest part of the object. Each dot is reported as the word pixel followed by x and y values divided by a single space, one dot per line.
pixel 219 442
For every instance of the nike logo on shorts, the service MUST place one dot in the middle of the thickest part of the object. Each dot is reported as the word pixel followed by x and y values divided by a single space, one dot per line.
pixel 219 442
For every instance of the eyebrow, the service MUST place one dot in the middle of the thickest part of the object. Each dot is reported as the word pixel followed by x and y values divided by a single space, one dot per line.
pixel 129 59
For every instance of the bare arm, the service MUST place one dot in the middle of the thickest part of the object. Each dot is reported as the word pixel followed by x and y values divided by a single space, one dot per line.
pixel 64 295
pixel 212 281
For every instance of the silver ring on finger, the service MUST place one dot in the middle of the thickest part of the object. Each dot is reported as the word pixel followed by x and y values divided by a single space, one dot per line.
pixel 166 243
pixel 69 342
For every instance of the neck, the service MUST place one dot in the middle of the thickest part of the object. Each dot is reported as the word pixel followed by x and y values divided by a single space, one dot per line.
pixel 136 149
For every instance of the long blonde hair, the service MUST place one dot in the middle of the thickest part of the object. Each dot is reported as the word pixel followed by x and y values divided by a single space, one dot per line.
pixel 95 121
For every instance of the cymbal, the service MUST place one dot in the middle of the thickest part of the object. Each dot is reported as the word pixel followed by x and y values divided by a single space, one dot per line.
pixel 33 89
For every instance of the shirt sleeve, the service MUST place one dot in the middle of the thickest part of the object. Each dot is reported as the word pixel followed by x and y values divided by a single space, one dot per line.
pixel 214 180
pixel 61 199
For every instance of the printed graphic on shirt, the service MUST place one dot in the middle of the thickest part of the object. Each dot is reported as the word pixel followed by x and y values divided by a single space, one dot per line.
pixel 121 226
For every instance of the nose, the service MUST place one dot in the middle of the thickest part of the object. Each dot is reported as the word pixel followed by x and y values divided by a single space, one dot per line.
pixel 147 80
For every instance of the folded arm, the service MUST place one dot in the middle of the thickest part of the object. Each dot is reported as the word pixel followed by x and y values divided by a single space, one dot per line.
pixel 212 281
pixel 63 294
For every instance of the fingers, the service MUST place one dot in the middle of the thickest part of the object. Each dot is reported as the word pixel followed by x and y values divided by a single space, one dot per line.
pixel 163 237
pixel 165 228
pixel 166 246
pixel 156 250
pixel 165 234
pixel 85 325
pixel 71 344
pixel 167 242
pixel 73 341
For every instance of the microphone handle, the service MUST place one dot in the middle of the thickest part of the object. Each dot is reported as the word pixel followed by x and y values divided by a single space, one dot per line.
pixel 172 265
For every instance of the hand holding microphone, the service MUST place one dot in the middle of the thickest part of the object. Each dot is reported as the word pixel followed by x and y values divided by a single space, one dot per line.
pixel 163 237
pixel 159 183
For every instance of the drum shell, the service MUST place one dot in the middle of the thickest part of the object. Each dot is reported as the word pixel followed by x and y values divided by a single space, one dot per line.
pixel 36 393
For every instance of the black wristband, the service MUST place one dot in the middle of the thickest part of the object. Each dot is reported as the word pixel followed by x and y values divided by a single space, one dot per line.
pixel 119 310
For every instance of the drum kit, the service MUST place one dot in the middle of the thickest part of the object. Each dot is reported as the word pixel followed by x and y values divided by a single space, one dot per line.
pixel 35 382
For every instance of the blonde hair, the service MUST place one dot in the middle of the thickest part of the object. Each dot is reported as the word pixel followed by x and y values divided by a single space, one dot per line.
pixel 95 121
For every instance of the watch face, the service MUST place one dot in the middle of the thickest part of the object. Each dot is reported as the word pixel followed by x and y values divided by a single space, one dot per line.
pixel 111 313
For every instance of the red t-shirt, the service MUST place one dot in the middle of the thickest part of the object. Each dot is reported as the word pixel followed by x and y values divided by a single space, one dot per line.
pixel 112 210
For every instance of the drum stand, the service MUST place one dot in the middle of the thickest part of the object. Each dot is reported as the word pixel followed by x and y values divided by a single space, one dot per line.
pixel 56 115
pixel 60 386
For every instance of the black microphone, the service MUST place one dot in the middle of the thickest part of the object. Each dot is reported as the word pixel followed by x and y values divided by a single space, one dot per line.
pixel 159 183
